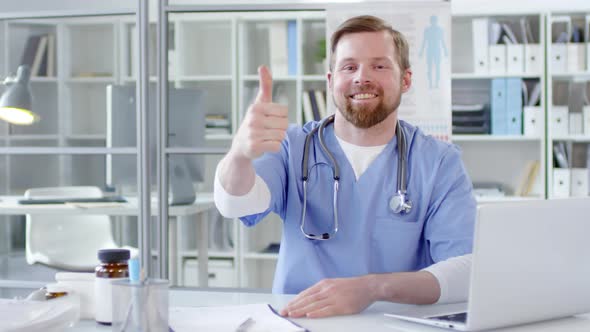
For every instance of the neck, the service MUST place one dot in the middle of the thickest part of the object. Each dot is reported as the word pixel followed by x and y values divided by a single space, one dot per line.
pixel 380 134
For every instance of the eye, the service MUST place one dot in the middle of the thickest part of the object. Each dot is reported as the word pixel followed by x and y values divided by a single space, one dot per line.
pixel 348 67
pixel 380 67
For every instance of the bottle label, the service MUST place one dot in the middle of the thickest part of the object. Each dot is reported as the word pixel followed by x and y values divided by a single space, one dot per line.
pixel 103 295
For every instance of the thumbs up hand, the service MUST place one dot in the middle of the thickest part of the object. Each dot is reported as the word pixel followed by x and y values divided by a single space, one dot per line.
pixel 264 125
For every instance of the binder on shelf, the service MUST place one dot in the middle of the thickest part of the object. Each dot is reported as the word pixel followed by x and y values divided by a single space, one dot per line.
pixel 30 50
pixel 576 57
pixel 532 49
pixel 561 28
pixel 575 123
pixel 497 59
pixel 278 48
pixel 533 62
pixel 514 106
pixel 514 50
pixel 587 35
pixel 561 182
pixel 307 114
pixel 292 47
pixel 586 119
pixel 51 55
pixel 515 58
pixel 533 121
pixel 480 45
pixel 499 119
pixel 530 180
pixel 579 182
pixel 315 110
pixel 39 56
pixel 321 101
pixel 559 121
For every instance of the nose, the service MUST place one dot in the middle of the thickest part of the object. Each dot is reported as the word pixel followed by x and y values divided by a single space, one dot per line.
pixel 363 75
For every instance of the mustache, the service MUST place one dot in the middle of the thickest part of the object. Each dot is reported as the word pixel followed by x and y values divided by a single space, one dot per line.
pixel 366 89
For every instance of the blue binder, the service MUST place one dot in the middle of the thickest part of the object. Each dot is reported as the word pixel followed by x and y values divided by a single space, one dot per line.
pixel 514 106
pixel 292 47
pixel 498 107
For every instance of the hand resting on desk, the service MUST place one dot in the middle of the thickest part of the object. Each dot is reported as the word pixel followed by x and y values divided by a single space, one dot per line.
pixel 346 296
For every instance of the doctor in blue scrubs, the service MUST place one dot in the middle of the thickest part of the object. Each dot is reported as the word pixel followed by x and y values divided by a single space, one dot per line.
pixel 372 208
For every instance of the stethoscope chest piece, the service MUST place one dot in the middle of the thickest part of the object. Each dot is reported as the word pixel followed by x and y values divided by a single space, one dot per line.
pixel 400 204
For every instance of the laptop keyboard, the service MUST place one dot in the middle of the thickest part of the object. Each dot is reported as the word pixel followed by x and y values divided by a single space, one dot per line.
pixel 460 317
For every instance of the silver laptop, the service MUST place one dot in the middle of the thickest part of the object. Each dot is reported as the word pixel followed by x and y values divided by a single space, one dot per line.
pixel 531 262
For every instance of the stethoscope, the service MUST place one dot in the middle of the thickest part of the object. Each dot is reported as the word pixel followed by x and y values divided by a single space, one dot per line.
pixel 399 203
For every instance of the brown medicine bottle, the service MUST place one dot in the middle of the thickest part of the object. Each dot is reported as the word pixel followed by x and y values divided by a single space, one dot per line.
pixel 113 266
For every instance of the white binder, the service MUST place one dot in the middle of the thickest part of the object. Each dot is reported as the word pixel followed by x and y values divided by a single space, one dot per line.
pixel 575 123
pixel 559 121
pixel 561 29
pixel 498 59
pixel 586 32
pixel 532 59
pixel 586 120
pixel 533 121
pixel 480 45
pixel 576 57
pixel 559 57
pixel 515 58
pixel 561 182
pixel 579 183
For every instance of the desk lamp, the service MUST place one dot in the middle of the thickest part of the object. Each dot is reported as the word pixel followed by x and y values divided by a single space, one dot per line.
pixel 16 102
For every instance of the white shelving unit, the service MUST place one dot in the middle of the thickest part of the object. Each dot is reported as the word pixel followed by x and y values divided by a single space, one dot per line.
pixel 495 159
pixel 568 87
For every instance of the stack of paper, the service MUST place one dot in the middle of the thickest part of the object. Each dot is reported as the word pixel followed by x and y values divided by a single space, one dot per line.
pixel 249 317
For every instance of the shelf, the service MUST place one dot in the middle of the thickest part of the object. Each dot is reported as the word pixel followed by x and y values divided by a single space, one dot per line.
pixel 209 78
pixel 86 137
pixel 472 76
pixel 260 255
pixel 31 137
pixel 274 78
pixel 483 199
pixel 105 79
pixel 43 79
pixel 131 79
pixel 573 138
pixel 494 138
pixel 210 254
pixel 219 137
pixel 320 78
pixel 571 75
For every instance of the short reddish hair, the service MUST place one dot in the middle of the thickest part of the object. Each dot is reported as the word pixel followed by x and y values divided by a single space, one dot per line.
pixel 368 23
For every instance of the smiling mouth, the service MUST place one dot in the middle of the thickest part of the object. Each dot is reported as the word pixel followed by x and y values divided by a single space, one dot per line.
pixel 362 96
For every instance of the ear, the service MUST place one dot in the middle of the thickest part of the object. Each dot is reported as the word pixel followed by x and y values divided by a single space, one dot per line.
pixel 330 81
pixel 406 80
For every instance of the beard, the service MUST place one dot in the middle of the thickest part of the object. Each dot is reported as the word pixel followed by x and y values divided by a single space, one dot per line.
pixel 366 116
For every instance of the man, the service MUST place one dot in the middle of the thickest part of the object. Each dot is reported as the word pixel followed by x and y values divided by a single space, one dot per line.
pixel 372 253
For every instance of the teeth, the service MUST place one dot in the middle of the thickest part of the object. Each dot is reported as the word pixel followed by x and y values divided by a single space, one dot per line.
pixel 364 96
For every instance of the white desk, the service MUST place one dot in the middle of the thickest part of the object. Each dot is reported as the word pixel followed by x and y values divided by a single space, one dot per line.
pixel 182 213
pixel 371 319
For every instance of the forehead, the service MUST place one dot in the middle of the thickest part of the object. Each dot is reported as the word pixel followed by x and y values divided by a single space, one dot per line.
pixel 365 45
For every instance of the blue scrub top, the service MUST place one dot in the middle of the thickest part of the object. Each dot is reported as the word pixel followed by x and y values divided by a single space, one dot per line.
pixel 371 238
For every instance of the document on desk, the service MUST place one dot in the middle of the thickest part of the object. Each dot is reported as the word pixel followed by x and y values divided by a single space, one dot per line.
pixel 240 318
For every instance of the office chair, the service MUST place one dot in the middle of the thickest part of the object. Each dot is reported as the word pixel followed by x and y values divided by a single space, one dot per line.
pixel 67 242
